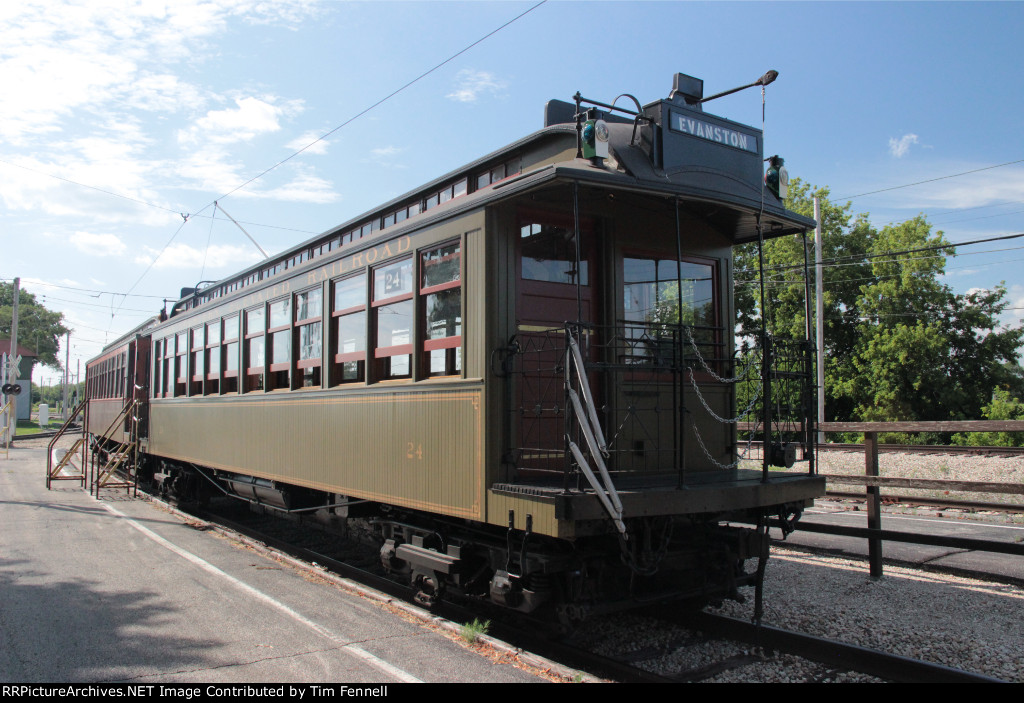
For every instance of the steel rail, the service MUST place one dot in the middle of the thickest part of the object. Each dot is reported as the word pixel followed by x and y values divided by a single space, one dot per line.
pixel 890 667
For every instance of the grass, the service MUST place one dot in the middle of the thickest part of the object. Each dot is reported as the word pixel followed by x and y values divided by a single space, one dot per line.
pixel 471 631
pixel 29 427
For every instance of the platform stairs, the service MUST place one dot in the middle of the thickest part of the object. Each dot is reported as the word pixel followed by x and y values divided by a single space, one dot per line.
pixel 71 465
pixel 117 460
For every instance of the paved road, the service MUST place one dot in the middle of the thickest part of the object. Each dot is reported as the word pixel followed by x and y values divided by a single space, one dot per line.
pixel 925 521
pixel 121 590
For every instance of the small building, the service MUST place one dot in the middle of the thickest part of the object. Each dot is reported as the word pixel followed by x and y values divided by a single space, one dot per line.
pixel 28 360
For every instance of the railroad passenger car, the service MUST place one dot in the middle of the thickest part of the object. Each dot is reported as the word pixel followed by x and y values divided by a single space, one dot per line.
pixel 518 379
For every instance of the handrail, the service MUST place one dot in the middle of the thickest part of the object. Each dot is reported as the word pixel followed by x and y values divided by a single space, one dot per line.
pixel 52 473
pixel 131 445
pixel 590 426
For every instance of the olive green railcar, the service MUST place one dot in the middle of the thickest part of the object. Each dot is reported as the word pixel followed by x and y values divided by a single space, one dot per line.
pixel 523 370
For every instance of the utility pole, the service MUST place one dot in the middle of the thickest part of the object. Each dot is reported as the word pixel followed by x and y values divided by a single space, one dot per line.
pixel 67 364
pixel 12 365
pixel 819 317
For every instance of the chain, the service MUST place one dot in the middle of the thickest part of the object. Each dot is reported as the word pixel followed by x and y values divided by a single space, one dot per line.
pixel 720 379
pixel 733 421
pixel 741 457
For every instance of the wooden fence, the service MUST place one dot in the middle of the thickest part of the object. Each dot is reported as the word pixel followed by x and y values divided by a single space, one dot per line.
pixel 874 482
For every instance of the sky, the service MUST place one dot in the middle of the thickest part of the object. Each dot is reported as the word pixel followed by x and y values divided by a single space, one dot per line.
pixel 121 122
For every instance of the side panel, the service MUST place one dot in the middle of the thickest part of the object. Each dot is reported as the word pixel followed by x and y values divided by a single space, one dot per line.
pixel 102 413
pixel 420 448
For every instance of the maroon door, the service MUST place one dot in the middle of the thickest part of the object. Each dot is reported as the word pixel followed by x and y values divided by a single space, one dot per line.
pixel 551 290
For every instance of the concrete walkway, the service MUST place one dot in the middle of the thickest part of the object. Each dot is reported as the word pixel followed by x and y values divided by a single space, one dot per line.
pixel 121 590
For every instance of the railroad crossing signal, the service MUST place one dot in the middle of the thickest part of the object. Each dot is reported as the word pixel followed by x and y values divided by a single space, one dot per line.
pixel 5 368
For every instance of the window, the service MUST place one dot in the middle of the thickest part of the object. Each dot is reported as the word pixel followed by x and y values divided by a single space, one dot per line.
pixel 230 354
pixel 181 365
pixel 197 357
pixel 309 335
pixel 157 368
pixel 658 292
pixel 349 318
pixel 255 326
pixel 213 357
pixel 549 254
pixel 393 313
pixel 167 383
pixel 441 301
pixel 279 345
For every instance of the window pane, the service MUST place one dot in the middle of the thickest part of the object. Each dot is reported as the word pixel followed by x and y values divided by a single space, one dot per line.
pixel 281 350
pixel 549 254
pixel 309 341
pixel 213 333
pixel 254 321
pixel 308 305
pixel 352 371
pixel 657 292
pixel 231 327
pixel 279 313
pixel 445 362
pixel 256 352
pixel 393 279
pixel 231 357
pixel 352 333
pixel 350 292
pixel 394 324
pixel 441 265
pixel 444 314
pixel 214 361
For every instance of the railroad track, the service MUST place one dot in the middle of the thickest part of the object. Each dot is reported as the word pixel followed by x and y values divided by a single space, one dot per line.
pixel 321 555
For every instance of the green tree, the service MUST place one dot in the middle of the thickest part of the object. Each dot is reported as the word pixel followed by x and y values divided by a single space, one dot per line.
pixel 845 241
pixel 1003 406
pixel 899 344
pixel 38 328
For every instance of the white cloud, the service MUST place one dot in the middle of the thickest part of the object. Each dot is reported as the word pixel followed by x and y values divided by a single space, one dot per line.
pixel 251 118
pixel 98 244
pixel 305 188
pixel 386 151
pixel 309 143
pixel 471 84
pixel 183 256
pixel 900 147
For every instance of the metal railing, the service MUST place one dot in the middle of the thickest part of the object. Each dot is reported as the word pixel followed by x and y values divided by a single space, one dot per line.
pixel 57 472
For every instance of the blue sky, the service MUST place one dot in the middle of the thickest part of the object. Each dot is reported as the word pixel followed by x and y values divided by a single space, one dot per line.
pixel 116 116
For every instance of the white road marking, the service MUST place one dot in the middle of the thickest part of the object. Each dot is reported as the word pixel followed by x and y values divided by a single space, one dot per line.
pixel 352 649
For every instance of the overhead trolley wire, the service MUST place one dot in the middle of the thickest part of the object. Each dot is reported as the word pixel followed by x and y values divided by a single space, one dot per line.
pixel 340 126
pixel 854 259
pixel 383 100
pixel 931 180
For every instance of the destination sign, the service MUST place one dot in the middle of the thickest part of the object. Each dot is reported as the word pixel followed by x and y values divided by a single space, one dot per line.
pixel 713 133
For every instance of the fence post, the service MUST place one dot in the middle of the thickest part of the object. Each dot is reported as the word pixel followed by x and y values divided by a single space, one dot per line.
pixel 874 503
